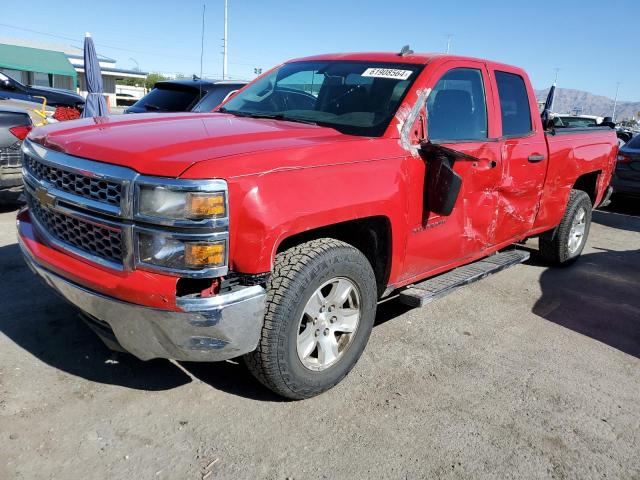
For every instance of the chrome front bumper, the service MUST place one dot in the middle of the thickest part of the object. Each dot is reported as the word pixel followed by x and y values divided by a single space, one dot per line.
pixel 206 330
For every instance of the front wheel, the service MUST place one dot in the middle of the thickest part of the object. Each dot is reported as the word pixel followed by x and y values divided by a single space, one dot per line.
pixel 321 305
pixel 565 243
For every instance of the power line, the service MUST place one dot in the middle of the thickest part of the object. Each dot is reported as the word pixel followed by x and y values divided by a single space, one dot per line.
pixel 72 39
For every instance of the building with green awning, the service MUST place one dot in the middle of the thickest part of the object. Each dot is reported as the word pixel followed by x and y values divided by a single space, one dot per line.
pixel 34 64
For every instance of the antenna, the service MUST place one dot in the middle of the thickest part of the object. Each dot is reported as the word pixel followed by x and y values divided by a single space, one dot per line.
pixel 405 51
pixel 225 42
pixel 449 37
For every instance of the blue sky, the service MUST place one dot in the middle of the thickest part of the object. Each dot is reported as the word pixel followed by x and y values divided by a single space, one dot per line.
pixel 581 38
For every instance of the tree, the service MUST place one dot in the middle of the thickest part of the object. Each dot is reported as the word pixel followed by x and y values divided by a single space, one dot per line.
pixel 132 82
pixel 152 78
pixel 148 82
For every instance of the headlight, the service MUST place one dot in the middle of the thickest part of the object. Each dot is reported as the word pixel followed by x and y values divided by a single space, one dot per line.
pixel 164 250
pixel 162 202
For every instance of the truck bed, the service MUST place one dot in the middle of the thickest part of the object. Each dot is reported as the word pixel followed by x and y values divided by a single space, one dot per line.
pixel 575 154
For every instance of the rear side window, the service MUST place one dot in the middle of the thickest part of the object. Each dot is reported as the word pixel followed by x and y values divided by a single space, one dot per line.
pixel 169 99
pixel 456 107
pixel 514 104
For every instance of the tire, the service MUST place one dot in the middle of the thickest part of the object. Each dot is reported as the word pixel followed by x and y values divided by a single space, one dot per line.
pixel 555 246
pixel 321 269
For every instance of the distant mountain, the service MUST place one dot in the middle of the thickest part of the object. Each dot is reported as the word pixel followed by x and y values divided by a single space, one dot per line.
pixel 566 100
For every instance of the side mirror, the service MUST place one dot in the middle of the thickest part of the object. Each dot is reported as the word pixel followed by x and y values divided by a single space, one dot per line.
pixel 7 85
pixel 547 122
pixel 442 185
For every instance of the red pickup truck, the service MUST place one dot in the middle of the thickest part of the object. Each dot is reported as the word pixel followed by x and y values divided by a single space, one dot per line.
pixel 271 228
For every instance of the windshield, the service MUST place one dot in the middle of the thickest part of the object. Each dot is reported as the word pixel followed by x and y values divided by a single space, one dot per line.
pixel 357 98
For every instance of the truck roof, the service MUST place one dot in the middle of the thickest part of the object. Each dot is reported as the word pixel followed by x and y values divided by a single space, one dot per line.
pixel 412 58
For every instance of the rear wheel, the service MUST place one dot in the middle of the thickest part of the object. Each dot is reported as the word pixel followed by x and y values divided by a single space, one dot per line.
pixel 321 304
pixel 565 243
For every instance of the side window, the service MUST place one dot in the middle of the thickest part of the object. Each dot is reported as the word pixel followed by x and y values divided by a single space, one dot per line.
pixel 514 104
pixel 457 108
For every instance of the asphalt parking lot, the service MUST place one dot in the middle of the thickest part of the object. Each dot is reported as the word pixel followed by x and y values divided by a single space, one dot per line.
pixel 530 373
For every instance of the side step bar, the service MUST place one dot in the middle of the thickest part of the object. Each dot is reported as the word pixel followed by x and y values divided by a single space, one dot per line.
pixel 420 294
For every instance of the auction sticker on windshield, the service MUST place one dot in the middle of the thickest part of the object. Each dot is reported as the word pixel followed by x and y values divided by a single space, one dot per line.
pixel 387 73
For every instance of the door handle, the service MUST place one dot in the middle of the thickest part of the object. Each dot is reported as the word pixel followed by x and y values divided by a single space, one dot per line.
pixel 535 158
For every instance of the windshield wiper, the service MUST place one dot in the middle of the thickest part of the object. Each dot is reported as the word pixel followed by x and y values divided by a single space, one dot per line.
pixel 150 106
pixel 270 116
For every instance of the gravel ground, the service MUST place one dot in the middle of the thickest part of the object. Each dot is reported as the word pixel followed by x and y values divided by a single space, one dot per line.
pixel 530 373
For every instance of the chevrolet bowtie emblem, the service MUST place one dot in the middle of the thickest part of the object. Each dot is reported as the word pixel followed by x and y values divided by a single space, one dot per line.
pixel 44 197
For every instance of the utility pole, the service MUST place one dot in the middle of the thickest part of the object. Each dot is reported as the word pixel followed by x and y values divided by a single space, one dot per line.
pixel 615 103
pixel 202 39
pixel 449 36
pixel 225 42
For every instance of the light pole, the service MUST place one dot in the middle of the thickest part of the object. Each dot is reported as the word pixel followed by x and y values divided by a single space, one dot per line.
pixel 136 62
pixel 615 103
pixel 204 8
pixel 224 42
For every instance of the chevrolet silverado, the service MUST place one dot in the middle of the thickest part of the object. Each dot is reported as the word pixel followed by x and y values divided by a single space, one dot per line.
pixel 271 228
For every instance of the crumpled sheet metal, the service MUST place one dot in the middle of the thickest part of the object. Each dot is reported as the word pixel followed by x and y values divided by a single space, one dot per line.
pixel 406 119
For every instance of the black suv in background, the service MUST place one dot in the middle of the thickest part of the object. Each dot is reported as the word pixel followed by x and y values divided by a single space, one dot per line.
pixel 185 96
pixel 56 97
pixel 626 178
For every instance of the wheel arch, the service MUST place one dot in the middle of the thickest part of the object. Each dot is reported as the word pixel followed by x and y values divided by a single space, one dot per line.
pixel 371 235
pixel 588 183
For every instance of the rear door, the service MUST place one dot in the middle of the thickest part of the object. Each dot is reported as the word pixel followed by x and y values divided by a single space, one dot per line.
pixel 523 152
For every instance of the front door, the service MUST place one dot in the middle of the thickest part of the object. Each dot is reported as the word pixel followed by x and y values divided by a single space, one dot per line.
pixel 458 117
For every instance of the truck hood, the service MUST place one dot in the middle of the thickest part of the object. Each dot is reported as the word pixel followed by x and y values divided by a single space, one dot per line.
pixel 168 144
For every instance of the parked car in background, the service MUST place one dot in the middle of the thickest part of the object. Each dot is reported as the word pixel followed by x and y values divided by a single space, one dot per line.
pixel 125 99
pixel 626 178
pixel 185 96
pixel 15 125
pixel 56 97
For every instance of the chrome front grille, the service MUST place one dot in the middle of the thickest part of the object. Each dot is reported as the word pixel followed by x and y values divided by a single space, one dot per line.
pixel 11 156
pixel 97 189
pixel 89 209
pixel 89 237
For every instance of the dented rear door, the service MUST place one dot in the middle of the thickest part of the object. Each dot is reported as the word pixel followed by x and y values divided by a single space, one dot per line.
pixel 524 155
